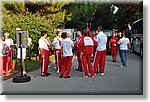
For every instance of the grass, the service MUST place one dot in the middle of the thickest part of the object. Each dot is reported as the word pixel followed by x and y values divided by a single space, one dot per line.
pixel 33 64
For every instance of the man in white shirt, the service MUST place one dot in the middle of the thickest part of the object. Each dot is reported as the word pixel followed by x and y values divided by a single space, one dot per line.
pixel 100 56
pixel 124 45
pixel 67 45
pixel 57 49
pixel 44 52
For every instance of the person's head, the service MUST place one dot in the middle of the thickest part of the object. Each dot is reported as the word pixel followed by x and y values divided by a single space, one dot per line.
pixel 58 32
pixel 47 37
pixel 123 34
pixel 114 35
pixel 100 28
pixel 68 34
pixel 44 34
pixel 79 33
pixel 85 33
pixel 6 35
pixel 64 35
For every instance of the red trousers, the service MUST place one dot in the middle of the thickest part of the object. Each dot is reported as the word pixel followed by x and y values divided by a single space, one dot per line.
pixel 4 64
pixel 58 60
pixel 45 62
pixel 10 59
pixel 100 59
pixel 114 51
pixel 86 60
pixel 79 57
pixel 1 65
pixel 66 66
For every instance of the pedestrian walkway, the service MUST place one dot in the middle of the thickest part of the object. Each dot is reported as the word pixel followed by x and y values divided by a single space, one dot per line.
pixel 116 80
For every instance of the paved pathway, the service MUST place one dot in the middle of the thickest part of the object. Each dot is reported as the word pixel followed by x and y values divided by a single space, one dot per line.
pixel 116 80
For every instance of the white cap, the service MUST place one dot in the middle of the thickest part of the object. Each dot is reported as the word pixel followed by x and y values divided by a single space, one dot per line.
pixel 18 28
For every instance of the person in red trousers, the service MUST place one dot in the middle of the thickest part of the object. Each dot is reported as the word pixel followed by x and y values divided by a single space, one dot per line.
pixel 10 44
pixel 87 45
pixel 113 45
pixel 67 55
pixel 100 56
pixel 4 57
pixel 44 51
pixel 78 50
pixel 57 49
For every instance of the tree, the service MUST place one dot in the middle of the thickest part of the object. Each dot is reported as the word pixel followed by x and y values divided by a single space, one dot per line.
pixel 81 14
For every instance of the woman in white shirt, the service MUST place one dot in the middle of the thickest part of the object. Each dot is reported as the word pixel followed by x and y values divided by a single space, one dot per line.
pixel 67 45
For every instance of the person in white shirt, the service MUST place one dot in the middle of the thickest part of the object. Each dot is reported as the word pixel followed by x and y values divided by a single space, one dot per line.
pixel 124 46
pixel 10 44
pixel 4 52
pixel 44 54
pixel 100 56
pixel 67 45
pixel 57 49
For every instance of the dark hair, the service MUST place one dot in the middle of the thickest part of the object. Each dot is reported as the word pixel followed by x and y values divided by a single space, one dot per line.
pixel 85 33
pixel 64 35
pixel 43 33
pixel 57 32
pixel 100 28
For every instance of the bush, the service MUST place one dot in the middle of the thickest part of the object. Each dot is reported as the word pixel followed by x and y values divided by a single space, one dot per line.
pixel 34 23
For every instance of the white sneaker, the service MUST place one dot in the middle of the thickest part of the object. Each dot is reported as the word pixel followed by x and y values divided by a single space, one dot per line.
pixel 101 74
pixel 85 76
pixel 54 67
pixel 121 66
pixel 93 76
pixel 49 66
pixel 57 72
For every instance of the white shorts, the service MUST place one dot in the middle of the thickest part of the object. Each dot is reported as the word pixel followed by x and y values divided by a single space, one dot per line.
pixel 23 53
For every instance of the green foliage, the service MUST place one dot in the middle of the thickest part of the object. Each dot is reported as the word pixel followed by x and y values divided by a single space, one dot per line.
pixel 81 14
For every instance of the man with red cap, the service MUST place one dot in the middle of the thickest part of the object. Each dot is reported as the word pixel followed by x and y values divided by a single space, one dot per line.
pixel 113 45
pixel 78 50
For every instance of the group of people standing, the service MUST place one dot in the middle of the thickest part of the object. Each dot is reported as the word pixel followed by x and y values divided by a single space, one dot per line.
pixel 84 45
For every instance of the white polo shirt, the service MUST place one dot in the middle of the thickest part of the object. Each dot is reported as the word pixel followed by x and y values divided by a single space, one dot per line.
pixel 102 41
pixel 67 45
pixel 1 48
pixel 57 42
pixel 43 43
pixel 124 43
pixel 9 42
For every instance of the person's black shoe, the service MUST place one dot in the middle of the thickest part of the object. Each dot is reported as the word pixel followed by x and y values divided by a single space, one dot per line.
pixel 48 74
pixel 80 70
pixel 61 76
pixel 77 69
pixel 67 77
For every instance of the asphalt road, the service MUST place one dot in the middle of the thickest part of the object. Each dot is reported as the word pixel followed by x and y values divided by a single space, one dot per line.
pixel 116 80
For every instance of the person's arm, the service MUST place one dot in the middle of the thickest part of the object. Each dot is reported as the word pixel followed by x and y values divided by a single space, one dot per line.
pixel 129 46
pixel 110 44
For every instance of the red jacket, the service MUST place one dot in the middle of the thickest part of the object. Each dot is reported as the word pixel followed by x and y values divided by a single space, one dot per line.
pixel 77 46
pixel 87 44
pixel 114 42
